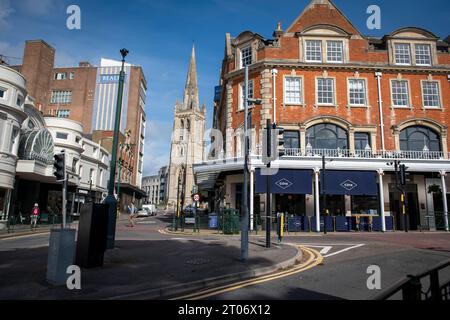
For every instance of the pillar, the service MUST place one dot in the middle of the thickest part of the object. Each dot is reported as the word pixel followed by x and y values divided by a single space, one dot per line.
pixel 382 213
pixel 317 199
pixel 444 197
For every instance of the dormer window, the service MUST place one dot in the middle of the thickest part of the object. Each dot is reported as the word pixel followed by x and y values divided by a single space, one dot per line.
pixel 313 51
pixel 246 56
pixel 403 54
pixel 423 54
pixel 335 51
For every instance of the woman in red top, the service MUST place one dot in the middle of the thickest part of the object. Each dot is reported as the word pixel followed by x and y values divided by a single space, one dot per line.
pixel 34 216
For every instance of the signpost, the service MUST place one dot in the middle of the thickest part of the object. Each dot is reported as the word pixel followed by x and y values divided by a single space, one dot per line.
pixel 196 198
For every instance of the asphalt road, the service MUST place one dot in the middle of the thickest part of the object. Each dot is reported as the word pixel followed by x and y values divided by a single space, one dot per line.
pixel 343 274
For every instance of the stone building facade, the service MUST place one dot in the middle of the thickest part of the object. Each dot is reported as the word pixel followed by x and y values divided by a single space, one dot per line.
pixel 187 140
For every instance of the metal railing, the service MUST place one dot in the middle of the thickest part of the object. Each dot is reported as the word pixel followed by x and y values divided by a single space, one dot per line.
pixel 412 287
pixel 365 154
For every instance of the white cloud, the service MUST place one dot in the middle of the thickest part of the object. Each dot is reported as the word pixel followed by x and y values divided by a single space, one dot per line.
pixel 5 11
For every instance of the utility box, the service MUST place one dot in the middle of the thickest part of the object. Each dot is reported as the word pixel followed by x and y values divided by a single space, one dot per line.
pixel 92 234
pixel 61 253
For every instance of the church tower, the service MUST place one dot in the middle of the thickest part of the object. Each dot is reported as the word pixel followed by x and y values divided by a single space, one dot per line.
pixel 187 140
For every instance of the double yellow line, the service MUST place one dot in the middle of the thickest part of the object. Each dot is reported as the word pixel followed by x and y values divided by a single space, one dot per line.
pixel 314 259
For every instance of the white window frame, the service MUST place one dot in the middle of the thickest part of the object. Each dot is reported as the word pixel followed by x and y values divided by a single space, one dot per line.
pixel 20 99
pixel 5 93
pixel 61 76
pixel 328 42
pixel 286 100
pixel 241 94
pixel 333 103
pixel 365 104
pixel 56 97
pixel 438 86
pixel 430 56
pixel 72 75
pixel 306 50
pixel 241 56
pixel 409 52
pixel 408 93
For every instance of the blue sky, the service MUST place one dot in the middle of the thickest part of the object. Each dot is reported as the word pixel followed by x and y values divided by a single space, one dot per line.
pixel 160 33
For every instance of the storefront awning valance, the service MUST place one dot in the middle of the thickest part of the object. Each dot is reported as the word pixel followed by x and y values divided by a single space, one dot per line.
pixel 285 182
pixel 351 183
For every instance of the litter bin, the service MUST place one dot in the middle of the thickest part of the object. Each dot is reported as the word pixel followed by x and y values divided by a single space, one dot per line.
pixel 213 221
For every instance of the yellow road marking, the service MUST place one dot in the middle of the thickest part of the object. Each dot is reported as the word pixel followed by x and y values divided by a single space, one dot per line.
pixel 315 258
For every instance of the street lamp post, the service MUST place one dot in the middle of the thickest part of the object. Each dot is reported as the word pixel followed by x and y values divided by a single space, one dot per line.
pixel 324 194
pixel 111 200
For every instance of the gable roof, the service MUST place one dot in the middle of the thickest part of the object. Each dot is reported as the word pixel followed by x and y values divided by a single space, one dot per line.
pixel 319 12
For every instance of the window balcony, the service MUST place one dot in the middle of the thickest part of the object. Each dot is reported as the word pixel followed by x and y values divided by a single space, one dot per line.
pixel 366 154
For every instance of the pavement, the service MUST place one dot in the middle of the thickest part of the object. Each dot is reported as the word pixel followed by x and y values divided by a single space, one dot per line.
pixel 158 265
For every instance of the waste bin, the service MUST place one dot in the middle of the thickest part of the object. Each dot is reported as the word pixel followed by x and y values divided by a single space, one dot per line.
pixel 343 224
pixel 213 223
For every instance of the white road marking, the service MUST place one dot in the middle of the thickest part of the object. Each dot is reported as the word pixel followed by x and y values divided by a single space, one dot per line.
pixel 325 250
pixel 344 250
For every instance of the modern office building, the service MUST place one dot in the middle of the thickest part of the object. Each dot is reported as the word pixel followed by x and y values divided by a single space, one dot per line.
pixel 360 101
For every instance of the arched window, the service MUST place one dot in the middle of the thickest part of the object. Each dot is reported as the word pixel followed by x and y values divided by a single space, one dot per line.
pixel 327 136
pixel 419 138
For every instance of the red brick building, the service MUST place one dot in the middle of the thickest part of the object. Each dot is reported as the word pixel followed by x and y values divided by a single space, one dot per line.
pixel 361 101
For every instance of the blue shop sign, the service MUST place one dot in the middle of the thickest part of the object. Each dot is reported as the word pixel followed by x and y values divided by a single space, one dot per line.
pixel 351 183
pixel 285 182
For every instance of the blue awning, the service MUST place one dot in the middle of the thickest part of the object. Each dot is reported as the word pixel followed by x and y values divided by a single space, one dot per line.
pixel 286 182
pixel 351 183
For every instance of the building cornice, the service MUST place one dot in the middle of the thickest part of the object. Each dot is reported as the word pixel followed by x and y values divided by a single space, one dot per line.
pixel 262 64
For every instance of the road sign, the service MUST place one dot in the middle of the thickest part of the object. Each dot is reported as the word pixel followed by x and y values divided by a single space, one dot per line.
pixel 196 197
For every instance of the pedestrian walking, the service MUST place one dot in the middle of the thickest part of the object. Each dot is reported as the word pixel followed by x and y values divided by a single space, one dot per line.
pixel 132 210
pixel 34 216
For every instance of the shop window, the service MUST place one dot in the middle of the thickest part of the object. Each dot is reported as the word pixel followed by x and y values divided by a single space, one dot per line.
pixel 365 205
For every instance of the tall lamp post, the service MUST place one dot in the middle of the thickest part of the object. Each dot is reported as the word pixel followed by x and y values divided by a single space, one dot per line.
pixel 111 200
pixel 324 194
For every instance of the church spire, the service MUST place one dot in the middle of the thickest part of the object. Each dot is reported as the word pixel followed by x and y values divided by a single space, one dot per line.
pixel 191 99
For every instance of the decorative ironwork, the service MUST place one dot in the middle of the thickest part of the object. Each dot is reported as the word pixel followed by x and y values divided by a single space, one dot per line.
pixel 37 145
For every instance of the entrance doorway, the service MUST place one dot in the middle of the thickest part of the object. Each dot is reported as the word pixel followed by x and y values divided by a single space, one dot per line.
pixel 293 204
pixel 413 212
pixel 335 205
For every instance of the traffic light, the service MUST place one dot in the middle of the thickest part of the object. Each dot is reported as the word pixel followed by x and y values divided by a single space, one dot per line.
pixel 403 175
pixel 59 167
pixel 280 138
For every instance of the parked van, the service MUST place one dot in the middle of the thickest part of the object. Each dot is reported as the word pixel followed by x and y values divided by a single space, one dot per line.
pixel 151 208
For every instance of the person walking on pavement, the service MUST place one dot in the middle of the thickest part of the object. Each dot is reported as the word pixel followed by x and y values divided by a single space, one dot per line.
pixel 34 216
pixel 132 210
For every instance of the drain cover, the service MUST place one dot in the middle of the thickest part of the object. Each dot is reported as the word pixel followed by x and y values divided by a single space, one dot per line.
pixel 198 261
